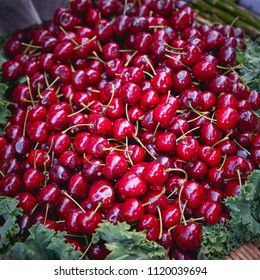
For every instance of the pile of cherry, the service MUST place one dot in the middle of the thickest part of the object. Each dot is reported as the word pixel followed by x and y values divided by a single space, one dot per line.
pixel 130 112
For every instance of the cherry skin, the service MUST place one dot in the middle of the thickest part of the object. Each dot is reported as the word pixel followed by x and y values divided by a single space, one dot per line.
pixel 188 236
pixel 88 222
pixel 26 201
pixel 210 211
pixel 203 70
pixel 71 220
pixel 10 184
pixel 98 251
pixel 151 225
pixel 153 200
pixel 193 193
pixel 49 194
pixel 154 174
pixel 101 192
pixel 32 179
pixel 131 185
pixel 171 216
pixel 131 210
pixel 226 117
pixel 115 166
pixel 78 186
pixel 188 148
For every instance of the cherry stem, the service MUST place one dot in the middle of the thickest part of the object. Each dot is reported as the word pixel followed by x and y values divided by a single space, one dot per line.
pixel 156 26
pixel 1 173
pixel 155 198
pixel 187 132
pixel 30 90
pixel 125 50
pixel 46 213
pixel 239 177
pixel 140 142
pixel 222 164
pixel 25 121
pixel 31 46
pixel 85 252
pixel 110 100
pixel 72 199
pixel 231 25
pixel 156 128
pixel 53 82
pixel 148 74
pixel 171 228
pixel 178 169
pixel 125 8
pixel 98 164
pixel 82 109
pixel 201 114
pixel 67 34
pixel 128 154
pixel 150 64
pixel 130 58
pixel 240 146
pixel 126 112
pixel 89 41
pixel 221 140
pixel 172 46
pixel 75 126
pixel 182 208
pixel 98 57
pixel 46 82
pixel 172 193
pixel 160 220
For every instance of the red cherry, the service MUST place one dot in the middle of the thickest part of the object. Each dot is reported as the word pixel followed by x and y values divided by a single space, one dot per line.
pixel 131 210
pixel 188 236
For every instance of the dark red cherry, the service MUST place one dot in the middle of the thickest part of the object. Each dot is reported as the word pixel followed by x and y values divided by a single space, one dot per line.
pixel 131 210
pixel 10 184
pixel 151 225
pixel 78 186
pixel 193 193
pixel 32 179
pixel 188 236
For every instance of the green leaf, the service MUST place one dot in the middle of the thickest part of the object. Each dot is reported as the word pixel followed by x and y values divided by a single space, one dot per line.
pixel 8 213
pixel 244 223
pixel 43 244
pixel 250 61
pixel 127 244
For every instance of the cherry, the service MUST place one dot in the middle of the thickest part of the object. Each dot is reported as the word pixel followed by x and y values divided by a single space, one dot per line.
pixel 166 142
pixel 188 148
pixel 171 216
pixel 154 174
pixel 131 210
pixel 203 70
pixel 164 113
pixel 210 134
pixel 153 200
pixel 234 165
pixel 71 220
pixel 188 236
pixel 161 82
pixel 122 128
pixel 210 155
pixel 59 174
pixel 38 132
pixel 151 225
pixel 101 192
pixel 10 184
pixel 39 158
pixel 32 179
pixel 11 70
pixel 88 222
pixel 63 206
pixel 210 211
pixel 226 55
pixel 59 142
pixel 193 193
pixel 49 194
pixel 130 93
pixel 78 186
pixel 227 117
pixel 98 251
pixel 115 166
pixel 131 185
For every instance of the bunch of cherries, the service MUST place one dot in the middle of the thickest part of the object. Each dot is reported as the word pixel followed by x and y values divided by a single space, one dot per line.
pixel 131 112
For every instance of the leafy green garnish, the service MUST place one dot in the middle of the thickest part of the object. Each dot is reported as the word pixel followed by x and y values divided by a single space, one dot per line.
pixel 250 60
pixel 243 226
pixel 43 244
pixel 126 244
pixel 8 214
